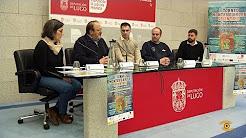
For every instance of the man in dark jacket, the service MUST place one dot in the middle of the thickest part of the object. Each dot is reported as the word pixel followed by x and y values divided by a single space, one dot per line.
pixel 191 49
pixel 154 50
pixel 91 48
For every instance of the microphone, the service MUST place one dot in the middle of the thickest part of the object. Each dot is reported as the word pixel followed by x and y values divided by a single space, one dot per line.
pixel 112 41
pixel 89 49
pixel 206 51
pixel 122 49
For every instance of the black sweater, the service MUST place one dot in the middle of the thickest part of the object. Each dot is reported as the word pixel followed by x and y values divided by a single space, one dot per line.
pixel 45 60
pixel 154 52
pixel 188 52
pixel 86 51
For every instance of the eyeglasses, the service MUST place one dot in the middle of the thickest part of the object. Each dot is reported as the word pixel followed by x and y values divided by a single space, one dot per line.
pixel 60 30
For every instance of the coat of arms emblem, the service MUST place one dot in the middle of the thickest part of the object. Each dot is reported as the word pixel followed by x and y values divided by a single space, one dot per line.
pixel 178 95
pixel 64 5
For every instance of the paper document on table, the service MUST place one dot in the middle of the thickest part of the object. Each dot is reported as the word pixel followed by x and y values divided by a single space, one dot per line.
pixel 67 67
pixel 189 63
pixel 82 73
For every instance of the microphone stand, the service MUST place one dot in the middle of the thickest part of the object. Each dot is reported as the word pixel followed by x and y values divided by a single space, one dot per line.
pixel 89 49
pixel 112 59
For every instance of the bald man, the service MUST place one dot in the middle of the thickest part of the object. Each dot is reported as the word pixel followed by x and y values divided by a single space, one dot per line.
pixel 154 50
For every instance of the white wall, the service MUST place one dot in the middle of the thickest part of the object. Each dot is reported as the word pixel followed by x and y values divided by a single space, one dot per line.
pixel 21 22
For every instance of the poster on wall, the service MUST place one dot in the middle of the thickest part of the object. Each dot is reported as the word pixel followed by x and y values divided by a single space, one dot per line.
pixel 111 13
pixel 119 104
pixel 227 28
pixel 240 80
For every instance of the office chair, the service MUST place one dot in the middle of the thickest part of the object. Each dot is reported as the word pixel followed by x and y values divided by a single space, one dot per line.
pixel 28 80
pixel 69 62
pixel 175 51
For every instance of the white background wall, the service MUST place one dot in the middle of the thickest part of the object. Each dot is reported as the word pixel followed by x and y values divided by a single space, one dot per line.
pixel 21 22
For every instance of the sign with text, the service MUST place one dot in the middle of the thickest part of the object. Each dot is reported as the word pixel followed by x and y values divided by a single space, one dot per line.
pixel 111 13
pixel 227 28
pixel 119 105
pixel 240 80
pixel 167 96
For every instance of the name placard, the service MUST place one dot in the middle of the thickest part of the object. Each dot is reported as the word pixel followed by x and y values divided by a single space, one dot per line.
pixel 94 67
pixel 152 63
pixel 126 65
pixel 189 63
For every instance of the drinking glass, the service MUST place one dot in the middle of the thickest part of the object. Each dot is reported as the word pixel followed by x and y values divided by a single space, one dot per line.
pixel 141 62
pixel 76 66
pixel 180 63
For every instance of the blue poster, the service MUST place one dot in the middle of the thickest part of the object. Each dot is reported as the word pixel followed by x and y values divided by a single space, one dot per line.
pixel 227 27
pixel 240 79
pixel 119 104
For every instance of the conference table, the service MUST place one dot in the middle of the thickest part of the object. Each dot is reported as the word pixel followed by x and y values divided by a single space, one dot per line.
pixel 160 95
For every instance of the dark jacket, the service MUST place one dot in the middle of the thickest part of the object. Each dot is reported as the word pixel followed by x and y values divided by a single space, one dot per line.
pixel 86 51
pixel 154 52
pixel 188 52
pixel 45 60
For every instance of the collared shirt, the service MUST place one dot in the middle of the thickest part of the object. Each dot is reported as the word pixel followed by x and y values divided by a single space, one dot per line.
pixel 130 37
pixel 96 41
pixel 187 51
pixel 191 43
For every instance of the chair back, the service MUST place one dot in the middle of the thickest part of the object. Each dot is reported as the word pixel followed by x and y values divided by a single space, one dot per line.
pixel 24 59
pixel 28 77
pixel 175 51
pixel 68 56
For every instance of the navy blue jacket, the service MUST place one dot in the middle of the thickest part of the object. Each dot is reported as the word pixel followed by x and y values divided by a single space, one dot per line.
pixel 86 51
pixel 154 52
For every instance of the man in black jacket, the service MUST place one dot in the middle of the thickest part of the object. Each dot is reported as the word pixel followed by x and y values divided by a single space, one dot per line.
pixel 191 49
pixel 154 50
pixel 91 48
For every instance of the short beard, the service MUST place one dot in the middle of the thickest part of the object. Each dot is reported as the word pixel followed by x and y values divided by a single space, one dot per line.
pixel 190 40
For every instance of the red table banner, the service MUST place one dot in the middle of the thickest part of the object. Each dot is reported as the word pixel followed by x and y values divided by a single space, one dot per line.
pixel 139 13
pixel 167 96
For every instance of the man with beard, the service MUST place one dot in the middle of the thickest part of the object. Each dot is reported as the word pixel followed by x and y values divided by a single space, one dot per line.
pixel 191 49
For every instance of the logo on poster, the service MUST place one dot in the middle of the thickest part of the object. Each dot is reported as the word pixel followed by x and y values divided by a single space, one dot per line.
pixel 178 95
pixel 97 6
pixel 64 5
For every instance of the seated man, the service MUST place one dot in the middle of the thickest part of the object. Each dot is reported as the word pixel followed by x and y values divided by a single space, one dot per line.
pixel 191 49
pixel 154 50
pixel 91 48
pixel 126 47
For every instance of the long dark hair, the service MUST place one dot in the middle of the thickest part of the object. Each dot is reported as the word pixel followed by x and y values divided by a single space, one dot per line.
pixel 50 28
